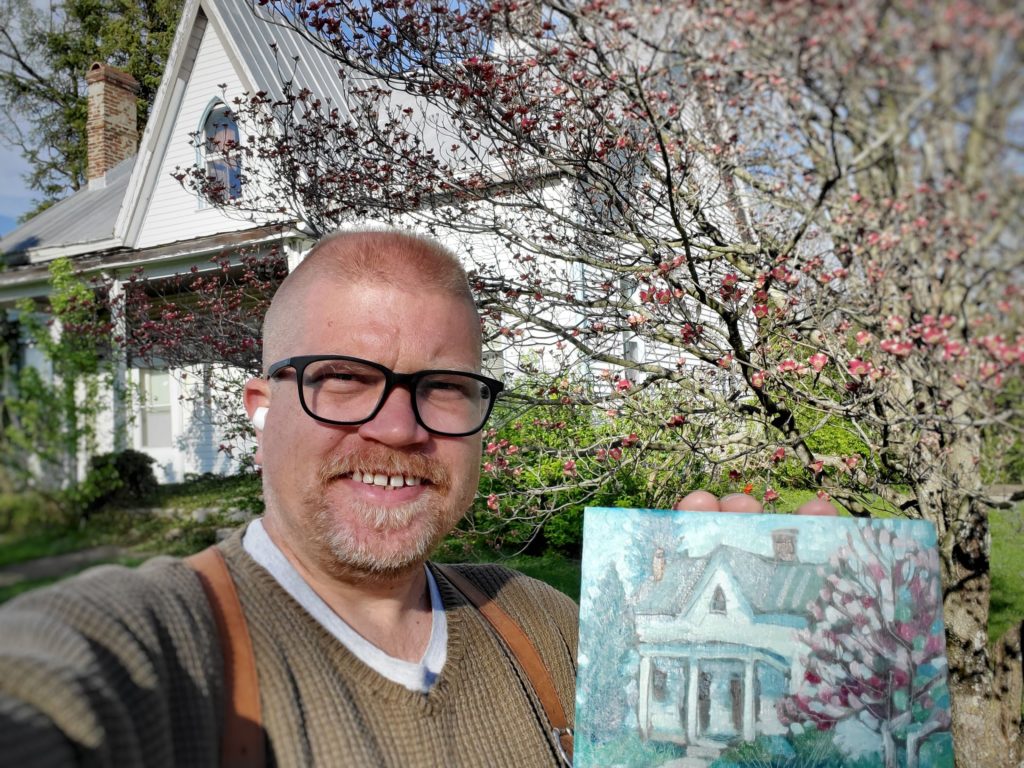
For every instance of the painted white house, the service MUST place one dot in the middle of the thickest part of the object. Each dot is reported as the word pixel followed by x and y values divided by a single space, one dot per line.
pixel 715 640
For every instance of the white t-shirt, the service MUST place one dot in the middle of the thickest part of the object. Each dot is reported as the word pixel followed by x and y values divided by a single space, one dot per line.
pixel 416 676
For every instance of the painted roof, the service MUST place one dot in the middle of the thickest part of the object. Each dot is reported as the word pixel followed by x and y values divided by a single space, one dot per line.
pixel 770 586
pixel 86 218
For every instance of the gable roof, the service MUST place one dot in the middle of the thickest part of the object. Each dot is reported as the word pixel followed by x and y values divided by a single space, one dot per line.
pixel 95 219
pixel 81 223
pixel 769 585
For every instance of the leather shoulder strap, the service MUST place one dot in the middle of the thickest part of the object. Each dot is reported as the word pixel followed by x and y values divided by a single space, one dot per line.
pixel 242 744
pixel 524 650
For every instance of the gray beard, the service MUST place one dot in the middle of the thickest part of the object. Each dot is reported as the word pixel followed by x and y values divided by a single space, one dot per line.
pixel 342 555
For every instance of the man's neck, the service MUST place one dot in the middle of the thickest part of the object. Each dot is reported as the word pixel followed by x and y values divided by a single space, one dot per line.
pixel 393 613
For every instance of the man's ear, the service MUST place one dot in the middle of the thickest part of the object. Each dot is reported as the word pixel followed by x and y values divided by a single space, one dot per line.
pixel 256 396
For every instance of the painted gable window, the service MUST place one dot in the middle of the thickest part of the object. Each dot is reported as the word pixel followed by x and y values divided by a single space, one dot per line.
pixel 220 139
pixel 718 601
pixel 156 408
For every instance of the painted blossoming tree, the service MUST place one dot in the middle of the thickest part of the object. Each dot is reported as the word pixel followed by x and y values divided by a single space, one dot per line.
pixel 874 647
pixel 755 225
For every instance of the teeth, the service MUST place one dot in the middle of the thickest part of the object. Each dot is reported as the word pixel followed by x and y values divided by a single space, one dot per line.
pixel 390 481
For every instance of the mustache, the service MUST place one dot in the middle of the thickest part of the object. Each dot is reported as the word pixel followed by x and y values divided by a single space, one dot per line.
pixel 381 460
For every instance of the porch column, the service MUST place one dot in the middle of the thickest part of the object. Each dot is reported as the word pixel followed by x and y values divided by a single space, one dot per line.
pixel 749 717
pixel 692 700
pixel 119 394
pixel 643 710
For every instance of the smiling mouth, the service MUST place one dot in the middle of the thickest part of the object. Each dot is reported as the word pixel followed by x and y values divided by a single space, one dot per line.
pixel 386 481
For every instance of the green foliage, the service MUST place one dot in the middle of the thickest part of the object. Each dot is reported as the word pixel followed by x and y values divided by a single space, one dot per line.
pixel 810 749
pixel 119 479
pixel 43 91
pixel 525 466
pixel 51 415
pixel 630 751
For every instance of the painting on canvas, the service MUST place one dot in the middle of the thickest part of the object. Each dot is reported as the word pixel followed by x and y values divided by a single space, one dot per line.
pixel 727 641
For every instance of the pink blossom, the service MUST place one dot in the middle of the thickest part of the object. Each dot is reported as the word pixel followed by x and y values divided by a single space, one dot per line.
pixel 779 455
pixel 858 367
pixel 757 379
pixel 895 323
pixel 623 385
pixel 492 501
pixel 897 347
pixel 863 338
pixel 569 468
pixel 615 454
pixel 770 495
pixel 818 361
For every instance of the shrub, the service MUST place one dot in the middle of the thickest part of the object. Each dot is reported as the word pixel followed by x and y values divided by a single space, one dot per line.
pixel 120 479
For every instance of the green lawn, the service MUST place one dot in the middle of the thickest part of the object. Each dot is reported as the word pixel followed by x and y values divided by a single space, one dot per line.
pixel 26 539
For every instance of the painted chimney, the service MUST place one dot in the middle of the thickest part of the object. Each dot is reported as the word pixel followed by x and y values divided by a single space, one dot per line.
pixel 784 544
pixel 112 128
pixel 658 564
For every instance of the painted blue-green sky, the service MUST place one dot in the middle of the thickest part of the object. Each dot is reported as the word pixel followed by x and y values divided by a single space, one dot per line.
pixel 608 533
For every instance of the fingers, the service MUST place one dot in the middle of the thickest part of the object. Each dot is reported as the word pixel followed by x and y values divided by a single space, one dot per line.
pixel 702 501
pixel 740 502
pixel 699 501
pixel 818 507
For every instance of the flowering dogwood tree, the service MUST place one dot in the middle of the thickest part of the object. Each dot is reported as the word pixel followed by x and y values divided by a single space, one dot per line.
pixel 753 223
pixel 874 645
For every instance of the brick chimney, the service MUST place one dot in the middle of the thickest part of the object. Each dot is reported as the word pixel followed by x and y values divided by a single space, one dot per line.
pixel 112 129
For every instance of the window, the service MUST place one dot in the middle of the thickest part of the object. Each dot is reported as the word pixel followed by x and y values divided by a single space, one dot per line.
pixel 718 601
pixel 156 408
pixel 219 149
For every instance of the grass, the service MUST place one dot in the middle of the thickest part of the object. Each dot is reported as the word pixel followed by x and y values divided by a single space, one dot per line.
pixel 35 529
pixel 13 590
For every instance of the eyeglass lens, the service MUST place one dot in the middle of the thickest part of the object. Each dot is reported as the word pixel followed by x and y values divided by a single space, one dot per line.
pixel 350 391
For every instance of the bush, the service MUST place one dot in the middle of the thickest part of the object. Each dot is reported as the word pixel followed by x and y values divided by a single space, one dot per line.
pixel 120 479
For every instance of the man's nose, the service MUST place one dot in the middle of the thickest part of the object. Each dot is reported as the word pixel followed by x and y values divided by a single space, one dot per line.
pixel 395 423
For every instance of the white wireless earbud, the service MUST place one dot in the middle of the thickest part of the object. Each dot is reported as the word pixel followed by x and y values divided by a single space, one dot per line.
pixel 259 417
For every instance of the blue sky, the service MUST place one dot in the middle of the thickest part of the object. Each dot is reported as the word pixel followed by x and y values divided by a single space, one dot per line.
pixel 15 197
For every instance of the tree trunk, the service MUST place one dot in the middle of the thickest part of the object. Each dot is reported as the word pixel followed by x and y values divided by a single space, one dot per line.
pixel 888 747
pixel 986 686
pixel 987 709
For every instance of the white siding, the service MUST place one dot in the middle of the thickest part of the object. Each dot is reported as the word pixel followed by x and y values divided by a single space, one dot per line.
pixel 174 214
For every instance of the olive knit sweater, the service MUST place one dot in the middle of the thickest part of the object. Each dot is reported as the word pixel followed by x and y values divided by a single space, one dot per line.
pixel 122 668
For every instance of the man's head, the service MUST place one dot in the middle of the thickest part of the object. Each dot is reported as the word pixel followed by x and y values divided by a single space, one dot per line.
pixel 371 499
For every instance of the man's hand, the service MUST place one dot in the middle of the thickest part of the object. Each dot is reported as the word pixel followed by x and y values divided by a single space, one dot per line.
pixel 702 501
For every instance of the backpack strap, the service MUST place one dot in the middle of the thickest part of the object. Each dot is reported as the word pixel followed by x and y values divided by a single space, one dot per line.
pixel 525 652
pixel 242 744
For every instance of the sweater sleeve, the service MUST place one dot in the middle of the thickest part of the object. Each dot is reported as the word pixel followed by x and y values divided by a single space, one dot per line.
pixel 114 667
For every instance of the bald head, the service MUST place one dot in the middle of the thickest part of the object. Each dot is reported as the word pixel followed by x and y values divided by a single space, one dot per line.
pixel 371 257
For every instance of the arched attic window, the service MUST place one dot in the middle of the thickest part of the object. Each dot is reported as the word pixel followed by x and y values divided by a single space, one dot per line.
pixel 718 601
pixel 219 133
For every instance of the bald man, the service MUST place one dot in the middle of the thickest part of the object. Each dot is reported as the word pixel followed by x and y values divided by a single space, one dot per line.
pixel 368 421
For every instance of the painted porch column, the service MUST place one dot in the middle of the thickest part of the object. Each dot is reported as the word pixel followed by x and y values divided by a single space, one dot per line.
pixel 692 700
pixel 749 718
pixel 643 710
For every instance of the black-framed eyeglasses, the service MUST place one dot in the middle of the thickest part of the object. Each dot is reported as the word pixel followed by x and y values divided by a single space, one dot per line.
pixel 347 391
